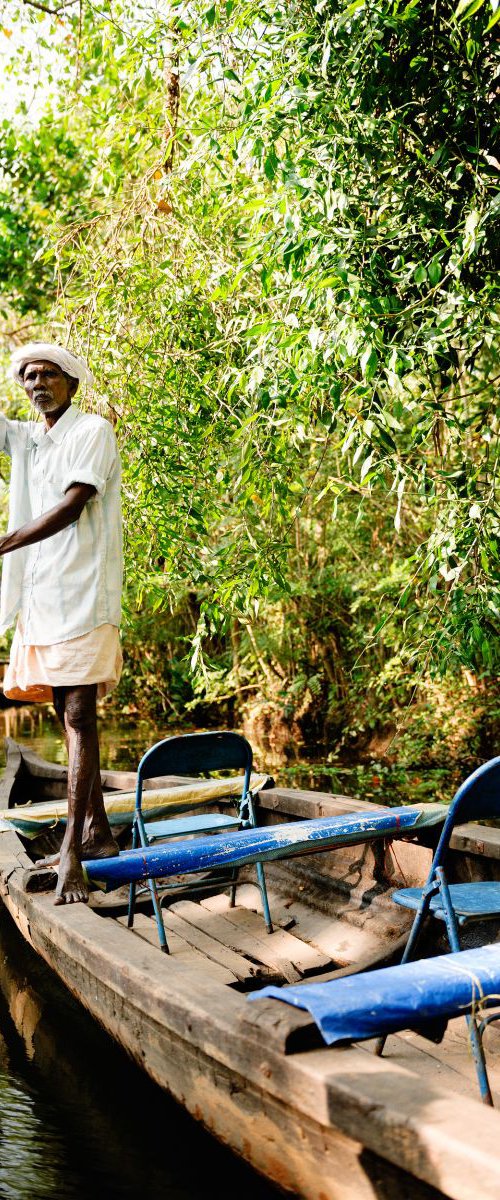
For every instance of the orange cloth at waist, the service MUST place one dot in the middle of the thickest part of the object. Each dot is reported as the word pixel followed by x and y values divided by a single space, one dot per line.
pixel 94 657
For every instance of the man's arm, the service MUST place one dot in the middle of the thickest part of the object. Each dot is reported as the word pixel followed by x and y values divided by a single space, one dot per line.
pixel 58 518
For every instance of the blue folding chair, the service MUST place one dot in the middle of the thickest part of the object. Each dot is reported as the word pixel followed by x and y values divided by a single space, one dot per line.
pixel 193 754
pixel 458 904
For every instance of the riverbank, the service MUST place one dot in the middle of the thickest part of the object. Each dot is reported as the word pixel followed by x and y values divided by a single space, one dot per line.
pixel 124 739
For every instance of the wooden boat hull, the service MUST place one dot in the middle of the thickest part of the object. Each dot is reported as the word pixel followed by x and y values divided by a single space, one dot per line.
pixel 316 1122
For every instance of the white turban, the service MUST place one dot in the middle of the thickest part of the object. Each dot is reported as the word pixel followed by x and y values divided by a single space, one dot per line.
pixel 47 352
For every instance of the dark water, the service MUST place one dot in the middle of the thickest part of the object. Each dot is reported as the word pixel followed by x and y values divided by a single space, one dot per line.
pixel 77 1119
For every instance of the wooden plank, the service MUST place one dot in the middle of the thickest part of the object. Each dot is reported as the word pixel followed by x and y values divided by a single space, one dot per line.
pixel 281 1026
pixel 385 954
pixel 307 959
pixel 337 939
pixel 213 950
pixel 343 942
pixel 340 940
pixel 248 896
pixel 450 1063
pixel 180 950
pixel 483 840
pixel 125 781
pixel 259 949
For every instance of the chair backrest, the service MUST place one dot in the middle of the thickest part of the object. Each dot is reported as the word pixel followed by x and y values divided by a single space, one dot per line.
pixel 193 753
pixel 478 797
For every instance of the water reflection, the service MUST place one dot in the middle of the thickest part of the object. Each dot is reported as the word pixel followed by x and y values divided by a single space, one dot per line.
pixel 77 1119
pixel 123 742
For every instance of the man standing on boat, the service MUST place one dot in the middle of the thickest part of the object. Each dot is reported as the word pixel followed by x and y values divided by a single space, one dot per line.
pixel 62 579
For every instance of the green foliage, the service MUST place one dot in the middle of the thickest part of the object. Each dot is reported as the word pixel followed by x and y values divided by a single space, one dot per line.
pixel 294 328
pixel 42 183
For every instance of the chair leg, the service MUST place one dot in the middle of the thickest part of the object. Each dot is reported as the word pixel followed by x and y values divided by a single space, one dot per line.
pixel 232 894
pixel 265 902
pixel 131 906
pixel 159 916
pixel 409 948
pixel 261 880
pixel 472 1025
pixel 479 1061
pixel 139 835
pixel 132 888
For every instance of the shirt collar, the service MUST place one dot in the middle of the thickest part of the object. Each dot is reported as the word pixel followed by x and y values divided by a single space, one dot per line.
pixel 58 431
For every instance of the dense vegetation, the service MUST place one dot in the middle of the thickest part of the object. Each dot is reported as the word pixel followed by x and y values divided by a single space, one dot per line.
pixel 273 228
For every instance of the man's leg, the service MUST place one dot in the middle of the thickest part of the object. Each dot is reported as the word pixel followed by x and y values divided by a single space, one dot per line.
pixel 58 700
pixel 86 815
pixel 97 839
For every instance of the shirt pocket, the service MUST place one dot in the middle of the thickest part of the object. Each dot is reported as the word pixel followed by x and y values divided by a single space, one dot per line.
pixel 52 492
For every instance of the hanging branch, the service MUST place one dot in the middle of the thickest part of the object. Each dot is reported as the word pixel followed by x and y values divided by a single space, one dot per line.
pixel 52 12
pixel 173 98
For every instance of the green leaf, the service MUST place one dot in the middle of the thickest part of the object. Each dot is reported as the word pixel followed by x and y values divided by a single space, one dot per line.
pixel 368 362
pixel 467 8
pixel 493 20
pixel 271 162
pixel 365 467
pixel 434 271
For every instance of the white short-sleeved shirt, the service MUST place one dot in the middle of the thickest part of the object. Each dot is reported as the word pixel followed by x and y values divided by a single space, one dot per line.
pixel 69 583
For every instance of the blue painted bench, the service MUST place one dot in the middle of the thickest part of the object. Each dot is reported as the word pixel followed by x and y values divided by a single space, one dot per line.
pixel 422 995
pixel 260 845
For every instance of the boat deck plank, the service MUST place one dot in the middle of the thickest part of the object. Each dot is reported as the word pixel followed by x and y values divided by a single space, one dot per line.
pixel 248 897
pixel 332 935
pixel 213 950
pixel 448 1063
pixel 307 959
pixel 260 949
pixel 181 951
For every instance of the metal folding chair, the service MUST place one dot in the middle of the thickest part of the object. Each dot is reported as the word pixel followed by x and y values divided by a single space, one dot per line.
pixel 192 754
pixel 460 903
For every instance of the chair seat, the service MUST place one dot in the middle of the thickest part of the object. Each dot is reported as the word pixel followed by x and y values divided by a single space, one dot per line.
pixel 470 900
pixel 183 826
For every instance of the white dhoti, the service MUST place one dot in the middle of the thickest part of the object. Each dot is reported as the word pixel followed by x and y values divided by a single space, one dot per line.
pixel 94 657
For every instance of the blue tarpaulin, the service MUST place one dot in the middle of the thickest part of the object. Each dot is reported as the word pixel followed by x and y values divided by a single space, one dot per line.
pixel 259 845
pixel 395 998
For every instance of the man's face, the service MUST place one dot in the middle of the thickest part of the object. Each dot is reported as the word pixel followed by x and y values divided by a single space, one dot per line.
pixel 47 387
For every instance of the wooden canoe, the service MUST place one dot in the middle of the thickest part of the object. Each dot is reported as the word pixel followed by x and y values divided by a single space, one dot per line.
pixel 323 1123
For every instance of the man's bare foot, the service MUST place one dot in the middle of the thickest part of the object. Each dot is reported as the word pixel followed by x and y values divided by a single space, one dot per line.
pixel 71 885
pixel 52 860
pixel 92 848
